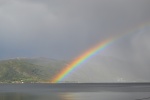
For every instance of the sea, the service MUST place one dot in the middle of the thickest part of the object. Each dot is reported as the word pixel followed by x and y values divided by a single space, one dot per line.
pixel 75 91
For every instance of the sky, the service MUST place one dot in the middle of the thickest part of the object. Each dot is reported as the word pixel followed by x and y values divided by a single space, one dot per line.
pixel 64 29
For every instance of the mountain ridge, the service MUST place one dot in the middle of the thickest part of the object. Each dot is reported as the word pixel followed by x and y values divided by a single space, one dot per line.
pixel 23 70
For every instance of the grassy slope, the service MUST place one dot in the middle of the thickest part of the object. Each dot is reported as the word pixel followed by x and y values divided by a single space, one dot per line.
pixel 29 70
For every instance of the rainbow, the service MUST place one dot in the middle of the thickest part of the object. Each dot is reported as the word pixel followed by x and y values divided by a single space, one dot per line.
pixel 81 59
pixel 91 52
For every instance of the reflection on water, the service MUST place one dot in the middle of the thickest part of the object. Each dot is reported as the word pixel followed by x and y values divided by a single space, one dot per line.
pixel 24 96
pixel 74 92
pixel 77 96
pixel 112 96
pixel 16 96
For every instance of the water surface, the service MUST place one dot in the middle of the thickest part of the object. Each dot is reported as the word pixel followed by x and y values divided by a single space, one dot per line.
pixel 75 91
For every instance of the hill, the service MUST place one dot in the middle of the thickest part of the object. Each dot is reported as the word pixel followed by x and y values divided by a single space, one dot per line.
pixel 23 70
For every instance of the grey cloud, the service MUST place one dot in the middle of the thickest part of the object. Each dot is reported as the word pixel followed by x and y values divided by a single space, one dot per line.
pixel 64 27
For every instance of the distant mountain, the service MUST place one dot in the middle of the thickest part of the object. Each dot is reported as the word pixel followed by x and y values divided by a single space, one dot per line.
pixel 20 70
pixel 97 69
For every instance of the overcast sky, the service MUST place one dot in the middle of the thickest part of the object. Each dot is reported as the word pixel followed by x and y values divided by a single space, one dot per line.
pixel 64 29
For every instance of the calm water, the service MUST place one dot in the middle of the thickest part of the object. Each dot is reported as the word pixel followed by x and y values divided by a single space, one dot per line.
pixel 75 91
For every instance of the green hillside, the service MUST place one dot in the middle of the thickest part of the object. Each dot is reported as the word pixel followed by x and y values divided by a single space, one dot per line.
pixel 22 70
